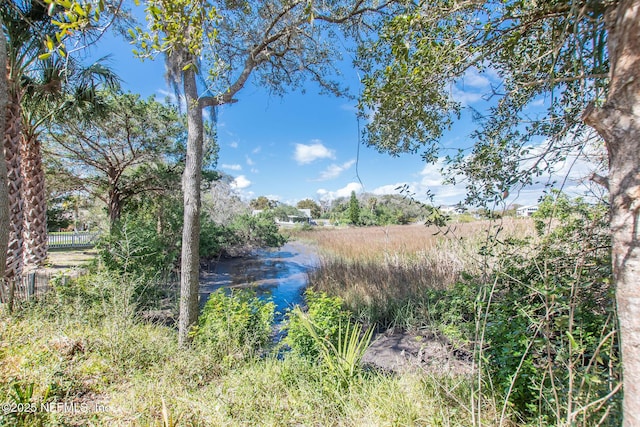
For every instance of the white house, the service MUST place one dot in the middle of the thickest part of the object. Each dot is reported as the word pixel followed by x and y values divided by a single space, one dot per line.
pixel 527 210
pixel 452 210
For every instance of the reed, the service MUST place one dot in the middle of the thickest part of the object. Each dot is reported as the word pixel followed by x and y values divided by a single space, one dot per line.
pixel 387 275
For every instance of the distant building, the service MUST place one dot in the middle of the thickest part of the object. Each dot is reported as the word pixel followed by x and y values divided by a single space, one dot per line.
pixel 527 210
pixel 306 212
pixel 452 210
pixel 304 217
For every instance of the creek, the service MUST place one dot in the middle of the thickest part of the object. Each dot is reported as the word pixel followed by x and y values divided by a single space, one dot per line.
pixel 279 273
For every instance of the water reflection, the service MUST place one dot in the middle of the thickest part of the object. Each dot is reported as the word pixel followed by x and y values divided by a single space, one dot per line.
pixel 280 273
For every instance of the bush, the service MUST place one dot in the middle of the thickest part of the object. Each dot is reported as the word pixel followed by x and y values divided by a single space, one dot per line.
pixel 244 233
pixel 551 335
pixel 235 325
pixel 326 314
pixel 134 246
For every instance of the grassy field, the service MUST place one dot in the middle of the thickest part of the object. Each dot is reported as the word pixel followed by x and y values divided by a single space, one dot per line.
pixel 83 356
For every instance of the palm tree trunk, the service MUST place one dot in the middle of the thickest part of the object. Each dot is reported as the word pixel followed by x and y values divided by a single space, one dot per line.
pixel 4 192
pixel 12 137
pixel 35 204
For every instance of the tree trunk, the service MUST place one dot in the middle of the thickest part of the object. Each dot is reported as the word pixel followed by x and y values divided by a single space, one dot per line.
pixel 4 191
pixel 35 204
pixel 190 261
pixel 115 206
pixel 12 137
pixel 618 122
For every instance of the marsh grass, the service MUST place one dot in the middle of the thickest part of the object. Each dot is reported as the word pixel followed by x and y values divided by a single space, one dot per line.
pixel 390 275
pixel 406 241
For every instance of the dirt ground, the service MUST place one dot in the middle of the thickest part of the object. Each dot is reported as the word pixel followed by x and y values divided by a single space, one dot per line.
pixel 63 260
pixel 399 351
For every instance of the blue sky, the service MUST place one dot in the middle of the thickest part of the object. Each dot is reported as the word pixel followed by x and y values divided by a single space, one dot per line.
pixel 305 145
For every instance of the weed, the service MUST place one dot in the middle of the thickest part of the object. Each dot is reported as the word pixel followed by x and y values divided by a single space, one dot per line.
pixel 326 314
pixel 235 325
pixel 343 359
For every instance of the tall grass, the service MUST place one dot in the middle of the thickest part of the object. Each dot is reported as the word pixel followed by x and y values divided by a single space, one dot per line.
pixel 86 344
pixel 405 241
pixel 532 300
pixel 388 275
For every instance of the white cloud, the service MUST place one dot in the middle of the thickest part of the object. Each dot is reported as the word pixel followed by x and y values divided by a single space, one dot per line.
pixel 249 161
pixel 241 182
pixel 234 167
pixel 572 174
pixel 334 171
pixel 256 150
pixel 475 79
pixel 465 97
pixel 429 183
pixel 431 174
pixel 391 188
pixel 442 194
pixel 305 154
pixel 341 192
pixel 233 144
pixel 474 85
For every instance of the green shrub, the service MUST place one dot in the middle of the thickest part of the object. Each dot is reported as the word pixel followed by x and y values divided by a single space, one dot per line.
pixel 326 314
pixel 245 231
pixel 551 335
pixel 342 360
pixel 135 247
pixel 453 311
pixel 235 325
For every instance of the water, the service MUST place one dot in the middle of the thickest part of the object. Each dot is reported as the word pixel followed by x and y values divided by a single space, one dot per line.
pixel 278 273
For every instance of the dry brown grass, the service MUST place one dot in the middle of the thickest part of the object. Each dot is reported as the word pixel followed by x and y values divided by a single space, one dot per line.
pixel 385 274
pixel 408 241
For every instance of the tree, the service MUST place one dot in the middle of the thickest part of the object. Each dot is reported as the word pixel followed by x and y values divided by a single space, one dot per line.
pixel 29 30
pixel 316 210
pixel 262 203
pixel 125 147
pixel 52 89
pixel 22 47
pixel 354 209
pixel 280 44
pixel 372 202
pixel 181 30
pixel 580 55
pixel 285 213
pixel 221 203
pixel 4 195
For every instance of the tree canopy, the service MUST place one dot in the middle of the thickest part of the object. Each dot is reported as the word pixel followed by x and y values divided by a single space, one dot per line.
pixel 539 52
pixel 120 149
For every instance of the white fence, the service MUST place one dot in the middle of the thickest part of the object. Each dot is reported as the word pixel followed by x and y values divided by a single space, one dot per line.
pixel 79 239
